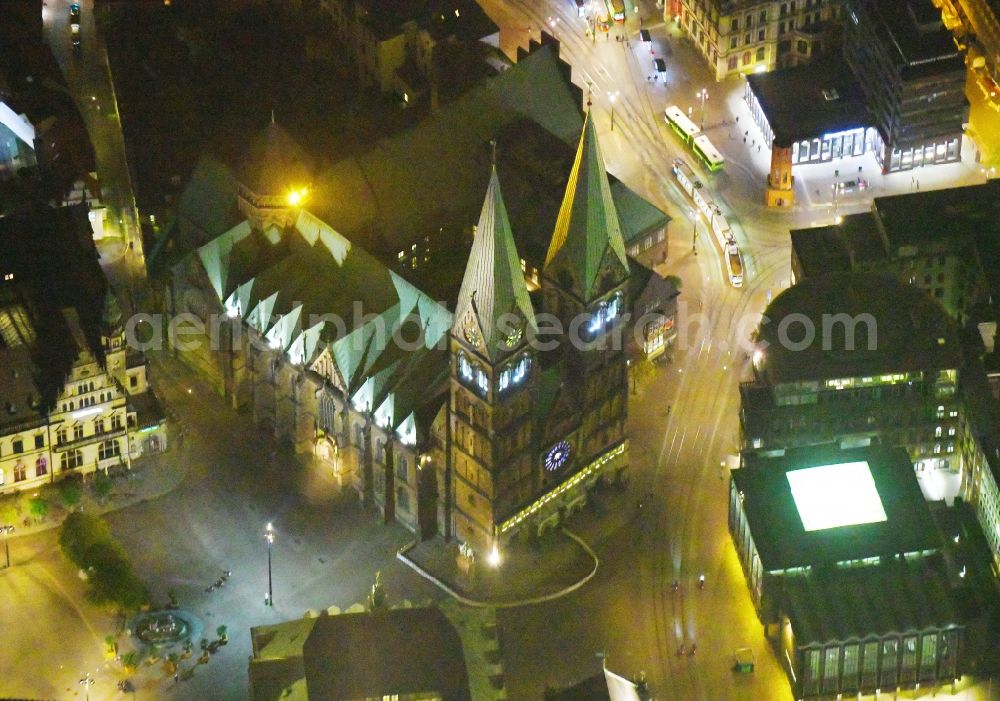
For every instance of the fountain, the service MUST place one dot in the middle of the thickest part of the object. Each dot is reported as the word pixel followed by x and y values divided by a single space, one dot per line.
pixel 160 628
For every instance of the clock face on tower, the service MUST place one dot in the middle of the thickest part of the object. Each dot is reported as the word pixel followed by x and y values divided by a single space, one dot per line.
pixel 471 331
pixel 557 456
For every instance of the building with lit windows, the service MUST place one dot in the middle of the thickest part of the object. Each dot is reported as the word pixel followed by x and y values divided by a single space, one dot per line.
pixel 440 414
pixel 751 36
pixel 861 585
pixel 395 43
pixel 941 241
pixel 913 77
pixel 976 25
pixel 855 359
pixel 75 399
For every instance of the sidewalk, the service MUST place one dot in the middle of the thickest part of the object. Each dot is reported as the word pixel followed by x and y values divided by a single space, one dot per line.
pixel 150 477
pixel 529 573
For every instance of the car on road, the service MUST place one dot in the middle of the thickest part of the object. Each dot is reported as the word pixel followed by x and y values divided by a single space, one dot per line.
pixel 744 660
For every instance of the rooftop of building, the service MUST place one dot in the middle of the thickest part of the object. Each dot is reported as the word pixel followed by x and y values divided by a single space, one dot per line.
pixel 953 218
pixel 462 19
pixel 307 288
pixel 778 514
pixel 360 655
pixel 424 188
pixel 897 328
pixel 149 412
pixel 45 317
pixel 898 595
pixel 808 101
pixel 838 247
pixel 275 163
pixel 913 32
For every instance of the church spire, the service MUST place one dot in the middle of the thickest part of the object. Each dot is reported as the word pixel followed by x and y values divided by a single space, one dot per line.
pixel 494 311
pixel 587 251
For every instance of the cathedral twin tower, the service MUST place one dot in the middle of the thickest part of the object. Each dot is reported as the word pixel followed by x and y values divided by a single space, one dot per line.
pixel 532 429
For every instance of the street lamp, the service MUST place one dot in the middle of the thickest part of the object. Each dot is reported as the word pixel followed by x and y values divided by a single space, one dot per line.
pixel 703 95
pixel 269 537
pixel 87 681
pixel 694 231
pixel 493 558
pixel 613 96
pixel 7 530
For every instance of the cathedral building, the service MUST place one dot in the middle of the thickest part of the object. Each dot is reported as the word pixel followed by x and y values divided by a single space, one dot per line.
pixel 478 423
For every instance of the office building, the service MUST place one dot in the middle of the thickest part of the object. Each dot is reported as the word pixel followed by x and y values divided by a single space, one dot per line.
pixel 913 78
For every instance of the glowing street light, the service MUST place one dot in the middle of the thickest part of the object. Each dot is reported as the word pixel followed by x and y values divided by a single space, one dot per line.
pixel 87 681
pixel 6 530
pixel 493 558
pixel 297 196
pixel 269 537
pixel 702 95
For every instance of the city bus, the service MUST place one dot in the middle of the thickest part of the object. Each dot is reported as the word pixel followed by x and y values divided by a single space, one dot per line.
pixel 708 154
pixel 617 10
pixel 734 265
pixel 679 122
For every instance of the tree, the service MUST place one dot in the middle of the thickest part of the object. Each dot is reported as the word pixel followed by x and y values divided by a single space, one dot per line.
pixel 102 486
pixel 675 280
pixel 79 532
pixel 38 507
pixel 70 491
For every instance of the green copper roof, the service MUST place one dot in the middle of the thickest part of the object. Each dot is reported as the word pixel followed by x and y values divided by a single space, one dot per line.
pixel 587 242
pixel 494 296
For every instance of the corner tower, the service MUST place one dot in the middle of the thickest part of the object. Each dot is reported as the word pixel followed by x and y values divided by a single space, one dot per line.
pixel 586 269
pixel 493 383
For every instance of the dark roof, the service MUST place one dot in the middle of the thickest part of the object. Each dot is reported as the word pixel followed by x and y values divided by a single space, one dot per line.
pixel 796 101
pixel 361 655
pixel 895 596
pixel 954 218
pixel 912 31
pixel 461 19
pixel 54 264
pixel 275 163
pixel 777 530
pixel 651 292
pixel 593 688
pixel 919 217
pixel 900 329
pixel 838 247
pixel 149 412
pixel 381 200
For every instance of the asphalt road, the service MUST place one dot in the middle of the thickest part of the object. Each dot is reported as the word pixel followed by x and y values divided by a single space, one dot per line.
pixel 89 79
pixel 684 419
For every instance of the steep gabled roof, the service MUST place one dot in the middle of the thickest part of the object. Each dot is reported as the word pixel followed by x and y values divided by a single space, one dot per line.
pixel 587 245
pixel 275 163
pixel 494 295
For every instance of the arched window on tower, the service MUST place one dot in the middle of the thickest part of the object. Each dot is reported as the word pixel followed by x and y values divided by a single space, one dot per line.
pixel 605 314
pixel 472 374
pixel 514 373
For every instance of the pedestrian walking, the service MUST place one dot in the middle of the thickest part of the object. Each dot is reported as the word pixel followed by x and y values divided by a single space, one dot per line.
pixel 758 149
pixel 918 184
pixel 744 139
